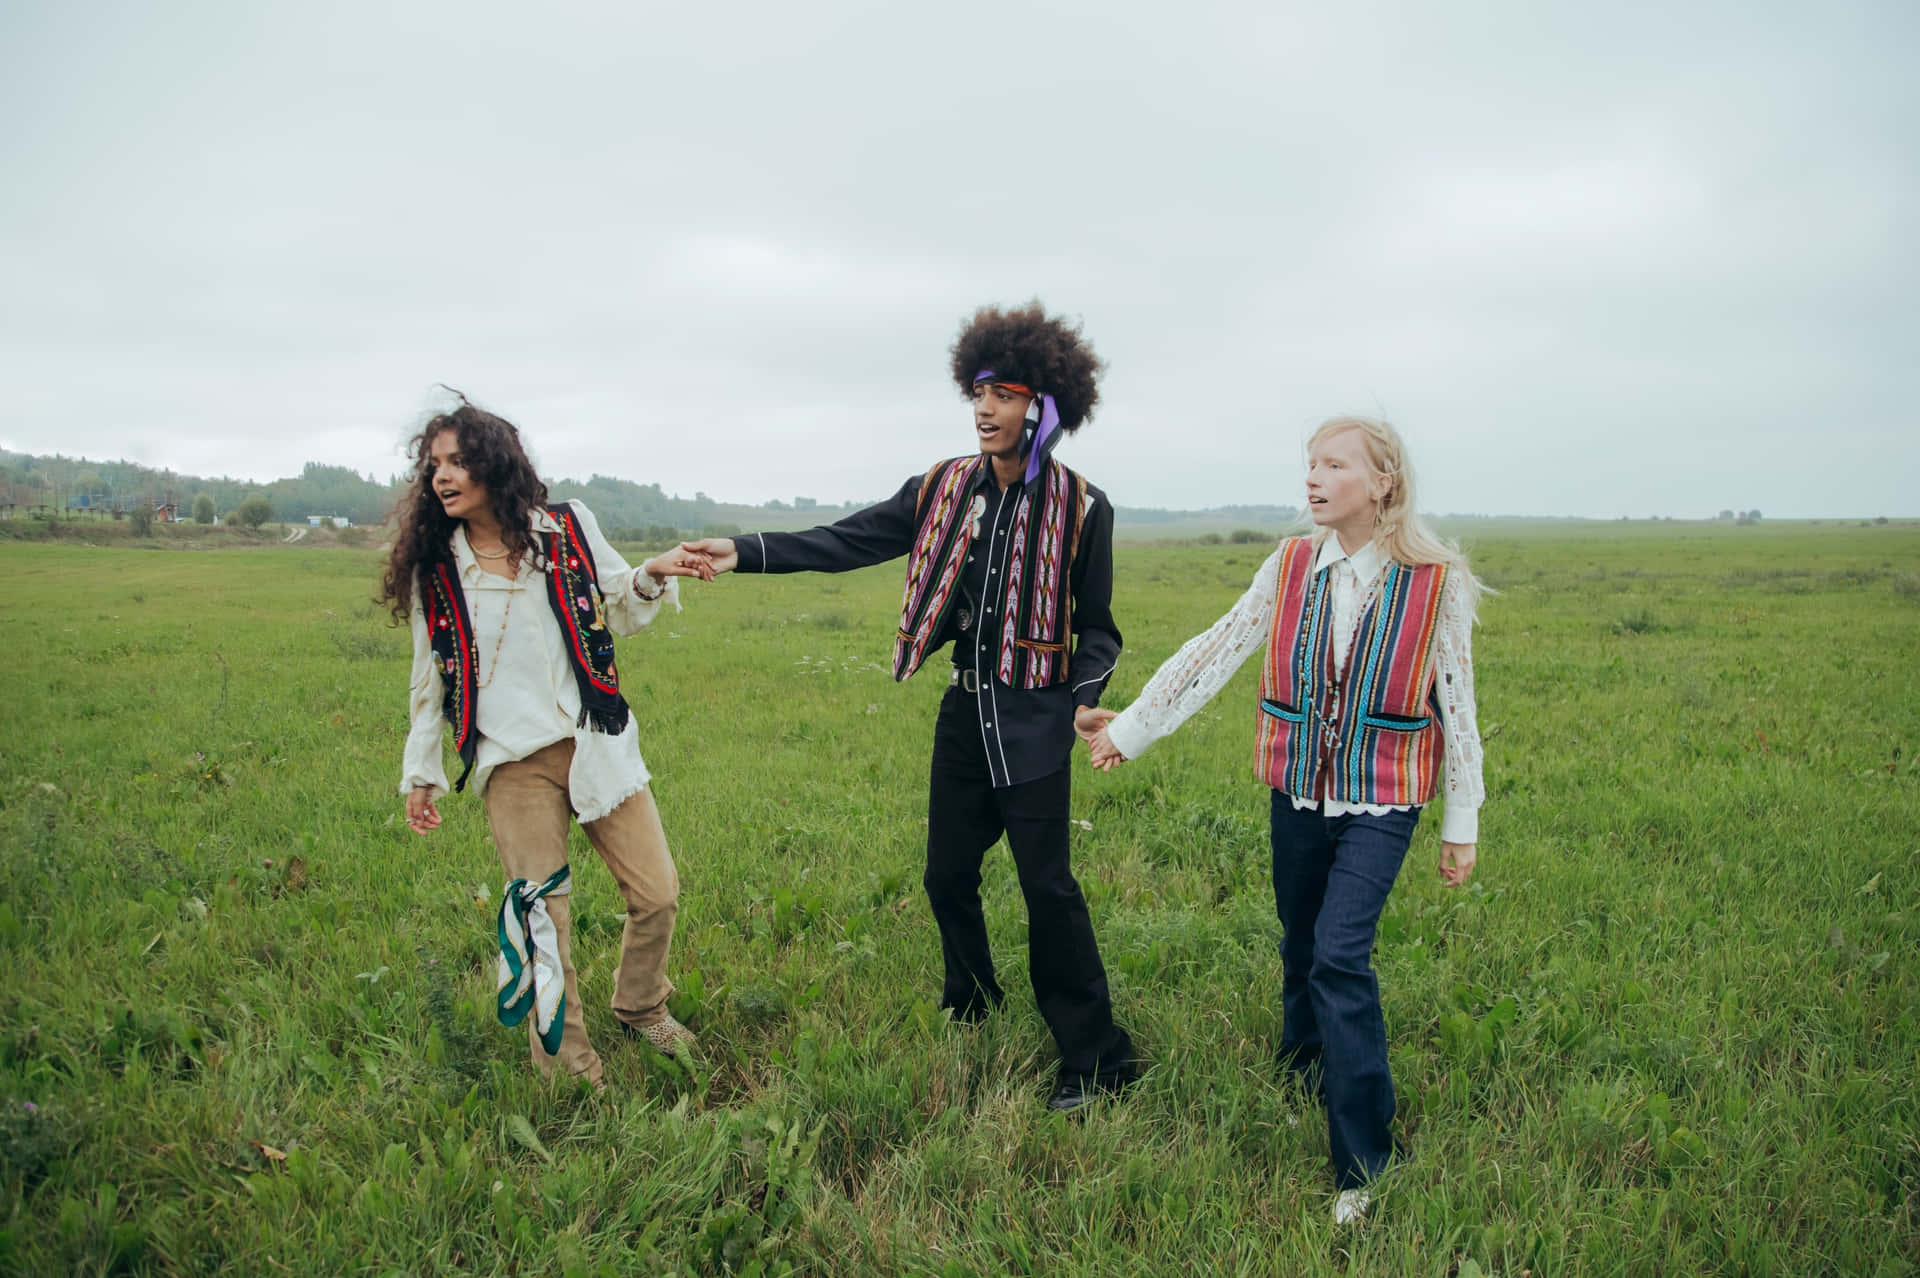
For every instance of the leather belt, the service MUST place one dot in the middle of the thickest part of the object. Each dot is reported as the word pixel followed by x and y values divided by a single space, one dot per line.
pixel 966 680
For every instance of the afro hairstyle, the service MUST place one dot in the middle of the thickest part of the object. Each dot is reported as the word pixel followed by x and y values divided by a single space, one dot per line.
pixel 1026 345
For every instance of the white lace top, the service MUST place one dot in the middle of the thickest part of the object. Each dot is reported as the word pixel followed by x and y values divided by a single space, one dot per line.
pixel 1190 678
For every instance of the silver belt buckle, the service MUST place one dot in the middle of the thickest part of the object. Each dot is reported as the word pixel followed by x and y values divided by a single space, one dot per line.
pixel 965 680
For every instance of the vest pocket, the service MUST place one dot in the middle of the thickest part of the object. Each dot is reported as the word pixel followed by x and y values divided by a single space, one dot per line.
pixel 1279 711
pixel 1395 722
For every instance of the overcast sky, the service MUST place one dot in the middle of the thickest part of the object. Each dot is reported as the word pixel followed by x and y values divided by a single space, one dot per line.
pixel 1592 259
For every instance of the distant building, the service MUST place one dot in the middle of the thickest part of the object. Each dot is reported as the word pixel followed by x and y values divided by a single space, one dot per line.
pixel 321 521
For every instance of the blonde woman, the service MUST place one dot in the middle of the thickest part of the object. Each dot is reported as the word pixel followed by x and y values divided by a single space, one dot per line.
pixel 1366 714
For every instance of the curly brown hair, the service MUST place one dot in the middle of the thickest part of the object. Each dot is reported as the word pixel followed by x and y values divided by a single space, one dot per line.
pixel 491 451
pixel 1026 345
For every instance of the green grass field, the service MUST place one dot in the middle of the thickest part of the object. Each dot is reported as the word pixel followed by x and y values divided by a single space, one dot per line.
pixel 1671 1028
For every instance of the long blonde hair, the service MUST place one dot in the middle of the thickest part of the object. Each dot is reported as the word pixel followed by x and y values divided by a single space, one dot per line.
pixel 1398 530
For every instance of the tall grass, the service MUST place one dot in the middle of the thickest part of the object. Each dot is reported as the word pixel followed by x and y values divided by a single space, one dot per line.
pixel 1671 1028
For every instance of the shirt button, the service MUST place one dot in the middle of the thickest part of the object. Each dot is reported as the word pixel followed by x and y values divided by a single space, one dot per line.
pixel 988 725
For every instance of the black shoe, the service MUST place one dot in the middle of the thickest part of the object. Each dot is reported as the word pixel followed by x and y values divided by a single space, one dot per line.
pixel 1075 1092
pixel 972 1012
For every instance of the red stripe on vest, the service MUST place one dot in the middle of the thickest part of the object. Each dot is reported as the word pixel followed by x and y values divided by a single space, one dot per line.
pixel 1378 740
pixel 1037 610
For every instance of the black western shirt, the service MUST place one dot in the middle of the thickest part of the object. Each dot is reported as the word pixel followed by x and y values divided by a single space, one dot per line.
pixel 1027 732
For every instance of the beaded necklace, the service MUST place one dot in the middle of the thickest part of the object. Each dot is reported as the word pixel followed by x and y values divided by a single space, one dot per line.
pixel 501 642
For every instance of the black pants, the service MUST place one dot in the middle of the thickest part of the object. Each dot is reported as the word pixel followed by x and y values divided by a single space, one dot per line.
pixel 965 817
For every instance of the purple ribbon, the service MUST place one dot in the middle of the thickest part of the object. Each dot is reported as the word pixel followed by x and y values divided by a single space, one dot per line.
pixel 1043 436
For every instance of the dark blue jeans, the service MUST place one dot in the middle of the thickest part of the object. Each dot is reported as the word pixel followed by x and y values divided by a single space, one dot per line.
pixel 1331 876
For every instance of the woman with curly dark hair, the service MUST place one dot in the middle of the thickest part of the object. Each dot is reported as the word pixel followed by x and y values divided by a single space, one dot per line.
pixel 1010 557
pixel 513 604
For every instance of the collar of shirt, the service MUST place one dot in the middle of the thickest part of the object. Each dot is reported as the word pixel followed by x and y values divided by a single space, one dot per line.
pixel 468 564
pixel 1365 561
pixel 984 480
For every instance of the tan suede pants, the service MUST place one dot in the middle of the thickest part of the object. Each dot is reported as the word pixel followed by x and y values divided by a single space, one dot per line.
pixel 528 810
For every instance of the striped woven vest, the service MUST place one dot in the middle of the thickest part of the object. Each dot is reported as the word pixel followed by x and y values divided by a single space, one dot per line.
pixel 1036 602
pixel 1366 734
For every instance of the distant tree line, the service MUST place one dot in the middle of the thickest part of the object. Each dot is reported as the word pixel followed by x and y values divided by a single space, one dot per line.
pixel 627 506
pixel 641 511
pixel 644 512
pixel 626 511
pixel 1260 516
pixel 72 484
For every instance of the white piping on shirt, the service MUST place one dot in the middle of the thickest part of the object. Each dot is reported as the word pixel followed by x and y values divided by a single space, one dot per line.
pixel 1097 678
pixel 987 681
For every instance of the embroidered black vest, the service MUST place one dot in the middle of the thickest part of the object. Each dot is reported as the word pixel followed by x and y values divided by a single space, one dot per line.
pixel 573 592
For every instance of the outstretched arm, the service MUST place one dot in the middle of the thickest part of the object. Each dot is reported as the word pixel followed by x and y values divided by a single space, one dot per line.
pixel 684 560
pixel 1189 679
pixel 708 557
pixel 633 596
pixel 870 536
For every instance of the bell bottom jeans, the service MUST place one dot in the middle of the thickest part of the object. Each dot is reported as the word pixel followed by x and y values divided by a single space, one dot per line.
pixel 966 816
pixel 1331 877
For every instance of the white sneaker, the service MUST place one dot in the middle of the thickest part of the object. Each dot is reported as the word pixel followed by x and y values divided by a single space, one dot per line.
pixel 1350 1208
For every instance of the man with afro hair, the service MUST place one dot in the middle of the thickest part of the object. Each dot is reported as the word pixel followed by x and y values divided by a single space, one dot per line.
pixel 1009 561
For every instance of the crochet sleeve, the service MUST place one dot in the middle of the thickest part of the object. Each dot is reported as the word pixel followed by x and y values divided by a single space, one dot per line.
pixel 1460 784
pixel 1191 677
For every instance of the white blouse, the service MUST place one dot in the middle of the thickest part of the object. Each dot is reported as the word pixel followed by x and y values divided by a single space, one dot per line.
pixel 528 698
pixel 1190 678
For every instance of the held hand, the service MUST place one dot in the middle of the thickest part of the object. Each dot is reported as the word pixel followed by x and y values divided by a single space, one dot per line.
pixel 1091 723
pixel 678 562
pixel 421 814
pixel 1456 863
pixel 1087 720
pixel 1106 755
pixel 718 551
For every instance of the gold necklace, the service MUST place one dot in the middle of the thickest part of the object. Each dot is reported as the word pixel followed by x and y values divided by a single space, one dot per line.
pixel 501 553
pixel 501 641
